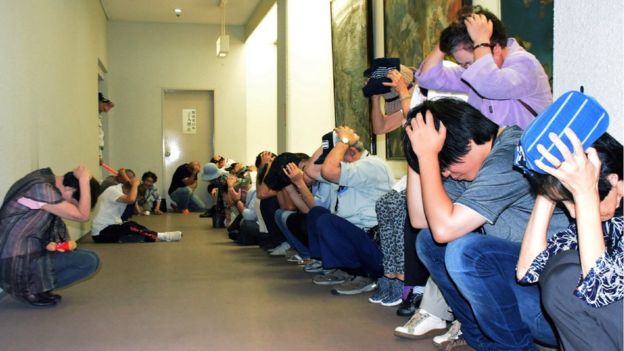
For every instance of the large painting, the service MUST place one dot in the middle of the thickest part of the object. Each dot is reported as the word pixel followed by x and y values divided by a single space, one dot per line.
pixel 412 29
pixel 536 38
pixel 351 33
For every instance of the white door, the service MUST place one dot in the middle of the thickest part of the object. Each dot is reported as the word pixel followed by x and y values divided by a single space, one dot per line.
pixel 188 117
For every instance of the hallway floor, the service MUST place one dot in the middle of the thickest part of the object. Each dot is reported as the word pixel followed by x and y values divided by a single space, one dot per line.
pixel 202 293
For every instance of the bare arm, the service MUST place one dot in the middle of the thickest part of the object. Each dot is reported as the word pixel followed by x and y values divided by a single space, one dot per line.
pixel 534 241
pixel 579 173
pixel 296 199
pixel 414 200
pixel 383 124
pixel 285 201
pixel 446 220
pixel 311 169
pixel 296 177
pixel 130 198
pixel 331 167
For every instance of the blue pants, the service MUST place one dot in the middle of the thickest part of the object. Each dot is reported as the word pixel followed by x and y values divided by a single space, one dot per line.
pixel 72 266
pixel 341 244
pixel 476 275
pixel 185 199
pixel 280 219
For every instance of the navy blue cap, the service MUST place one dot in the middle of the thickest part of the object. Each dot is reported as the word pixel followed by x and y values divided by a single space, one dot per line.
pixel 377 74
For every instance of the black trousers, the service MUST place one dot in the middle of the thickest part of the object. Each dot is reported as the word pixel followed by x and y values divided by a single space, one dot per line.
pixel 416 273
pixel 268 208
pixel 125 232
pixel 579 325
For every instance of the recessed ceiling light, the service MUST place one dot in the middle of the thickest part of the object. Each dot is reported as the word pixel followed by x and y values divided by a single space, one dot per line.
pixel 178 12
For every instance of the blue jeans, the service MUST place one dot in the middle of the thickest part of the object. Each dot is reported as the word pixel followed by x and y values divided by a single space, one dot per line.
pixel 342 244
pixel 476 275
pixel 280 219
pixel 185 198
pixel 72 266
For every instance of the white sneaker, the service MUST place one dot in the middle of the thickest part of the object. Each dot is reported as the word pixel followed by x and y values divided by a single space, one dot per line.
pixel 280 250
pixel 420 326
pixel 170 236
pixel 453 333
pixel 295 259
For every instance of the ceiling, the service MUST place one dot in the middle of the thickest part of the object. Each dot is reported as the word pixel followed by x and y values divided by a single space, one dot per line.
pixel 237 12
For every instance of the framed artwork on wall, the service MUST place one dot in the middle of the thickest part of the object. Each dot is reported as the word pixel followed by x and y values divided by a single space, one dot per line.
pixel 536 38
pixel 352 51
pixel 411 30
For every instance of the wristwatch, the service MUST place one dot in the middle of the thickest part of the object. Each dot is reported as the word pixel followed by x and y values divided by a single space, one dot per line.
pixel 346 141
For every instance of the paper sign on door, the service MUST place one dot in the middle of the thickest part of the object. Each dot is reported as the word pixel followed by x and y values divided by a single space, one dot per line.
pixel 189 121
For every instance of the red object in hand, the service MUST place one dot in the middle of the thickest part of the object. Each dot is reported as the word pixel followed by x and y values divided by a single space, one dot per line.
pixel 109 168
pixel 64 246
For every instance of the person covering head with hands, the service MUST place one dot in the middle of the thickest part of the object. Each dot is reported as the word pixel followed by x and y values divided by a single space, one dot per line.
pixel 580 269
pixel 504 81
pixel 182 188
pixel 342 236
pixel 462 185
pixel 37 254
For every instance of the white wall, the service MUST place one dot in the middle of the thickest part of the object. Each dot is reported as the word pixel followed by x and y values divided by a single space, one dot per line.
pixel 48 94
pixel 309 86
pixel 261 56
pixel 589 51
pixel 147 58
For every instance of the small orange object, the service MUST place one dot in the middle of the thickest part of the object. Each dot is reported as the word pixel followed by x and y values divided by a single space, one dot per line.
pixel 186 211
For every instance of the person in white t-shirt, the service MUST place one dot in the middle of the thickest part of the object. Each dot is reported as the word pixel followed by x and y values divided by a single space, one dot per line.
pixel 109 228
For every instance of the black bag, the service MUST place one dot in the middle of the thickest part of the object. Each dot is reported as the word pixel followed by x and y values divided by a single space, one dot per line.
pixel 218 217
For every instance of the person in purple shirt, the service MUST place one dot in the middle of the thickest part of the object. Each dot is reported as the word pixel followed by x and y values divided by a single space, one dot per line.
pixel 504 81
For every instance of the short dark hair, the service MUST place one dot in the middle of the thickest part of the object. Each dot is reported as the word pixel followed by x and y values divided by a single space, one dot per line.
pixel 149 174
pixel 463 123
pixel 456 36
pixel 71 181
pixel 610 154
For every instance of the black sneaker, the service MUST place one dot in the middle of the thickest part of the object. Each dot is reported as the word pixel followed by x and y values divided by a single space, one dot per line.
pixel 207 214
pixel 409 306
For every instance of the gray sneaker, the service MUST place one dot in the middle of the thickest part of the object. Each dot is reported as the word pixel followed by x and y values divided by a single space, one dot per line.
pixel 395 293
pixel 336 276
pixel 357 285
pixel 314 266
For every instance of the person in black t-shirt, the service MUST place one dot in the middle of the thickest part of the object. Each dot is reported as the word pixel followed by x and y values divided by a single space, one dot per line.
pixel 182 189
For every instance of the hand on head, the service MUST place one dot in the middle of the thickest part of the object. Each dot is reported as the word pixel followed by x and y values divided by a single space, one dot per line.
pixel 81 172
pixel 424 137
pixel 398 82
pixel 479 28
pixel 579 172
pixel 346 132
pixel 294 173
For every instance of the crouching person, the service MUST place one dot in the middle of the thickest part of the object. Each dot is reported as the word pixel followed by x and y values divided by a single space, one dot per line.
pixel 581 269
pixel 36 252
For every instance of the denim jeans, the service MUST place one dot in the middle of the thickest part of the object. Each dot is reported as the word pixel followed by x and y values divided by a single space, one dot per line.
pixel 185 198
pixel 280 219
pixel 476 275
pixel 72 266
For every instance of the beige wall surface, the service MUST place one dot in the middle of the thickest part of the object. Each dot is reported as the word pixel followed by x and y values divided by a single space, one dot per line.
pixel 309 84
pixel 145 59
pixel 589 51
pixel 48 68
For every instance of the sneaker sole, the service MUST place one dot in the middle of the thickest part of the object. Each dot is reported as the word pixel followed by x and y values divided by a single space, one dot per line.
pixel 329 282
pixel 443 347
pixel 371 300
pixel 354 292
pixel 429 334
pixel 392 303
